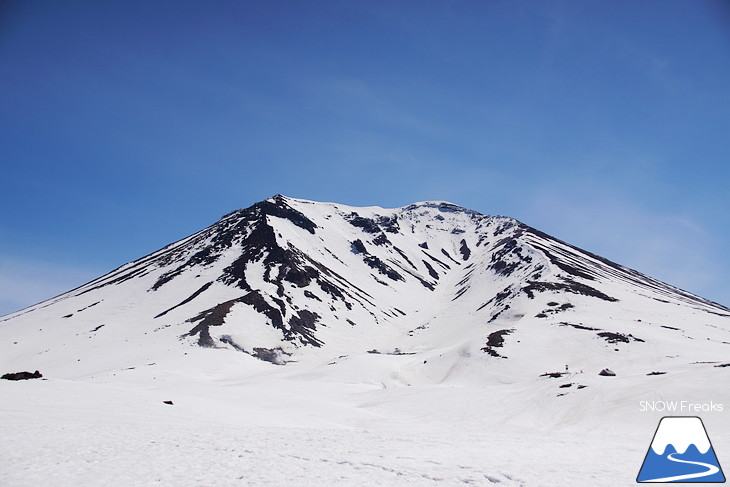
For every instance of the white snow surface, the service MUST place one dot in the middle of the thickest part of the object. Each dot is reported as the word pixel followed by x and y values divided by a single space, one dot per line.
pixel 403 389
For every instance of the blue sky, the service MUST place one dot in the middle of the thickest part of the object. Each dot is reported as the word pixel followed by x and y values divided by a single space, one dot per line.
pixel 127 125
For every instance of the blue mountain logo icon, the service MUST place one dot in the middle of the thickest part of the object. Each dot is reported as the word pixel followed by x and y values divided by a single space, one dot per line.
pixel 681 452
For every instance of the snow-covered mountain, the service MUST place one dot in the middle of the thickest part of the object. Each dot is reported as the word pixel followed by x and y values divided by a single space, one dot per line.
pixel 289 280
pixel 423 345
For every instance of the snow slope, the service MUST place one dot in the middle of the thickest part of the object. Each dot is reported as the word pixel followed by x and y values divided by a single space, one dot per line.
pixel 305 342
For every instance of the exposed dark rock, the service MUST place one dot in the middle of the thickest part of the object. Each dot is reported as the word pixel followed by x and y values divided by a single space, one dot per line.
pixel 586 264
pixel 607 373
pixel 402 254
pixel 368 225
pixel 22 375
pixel 550 311
pixel 311 295
pixel 304 324
pixel 389 224
pixel 357 247
pixel 301 325
pixel 503 228
pixel 87 307
pixel 612 337
pixel 279 208
pixel 553 375
pixel 230 341
pixel 498 298
pixel 211 317
pixel 168 402
pixel 569 286
pixel 579 327
pixel 442 264
pixel 459 293
pixel 496 315
pixel 464 250
pixel 443 251
pixel 382 268
pixel 381 240
pixel 508 258
pixel 496 340
pixel 273 355
pixel 431 270
pixel 187 300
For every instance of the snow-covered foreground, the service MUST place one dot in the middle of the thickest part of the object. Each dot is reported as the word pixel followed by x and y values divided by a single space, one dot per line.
pixel 115 440
pixel 287 427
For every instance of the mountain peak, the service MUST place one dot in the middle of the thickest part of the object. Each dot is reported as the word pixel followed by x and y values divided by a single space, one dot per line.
pixel 286 277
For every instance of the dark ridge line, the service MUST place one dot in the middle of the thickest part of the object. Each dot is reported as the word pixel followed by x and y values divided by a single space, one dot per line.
pixel 443 251
pixel 191 239
pixel 498 298
pixel 579 326
pixel 575 269
pixel 445 266
pixel 466 278
pixel 329 272
pixel 341 284
pixel 301 325
pixel 375 263
pixel 631 275
pixel 402 254
pixel 87 307
pixel 187 300
pixel 569 286
pixel 460 292
pixel 135 273
pixel 423 282
pixel 431 270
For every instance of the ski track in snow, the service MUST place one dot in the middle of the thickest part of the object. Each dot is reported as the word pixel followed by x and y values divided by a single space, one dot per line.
pixel 64 433
pixel 79 454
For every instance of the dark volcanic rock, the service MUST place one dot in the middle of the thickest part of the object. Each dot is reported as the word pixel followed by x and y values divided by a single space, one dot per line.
pixel 496 340
pixel 22 375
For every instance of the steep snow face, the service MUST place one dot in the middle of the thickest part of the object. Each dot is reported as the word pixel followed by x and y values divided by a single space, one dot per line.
pixel 451 294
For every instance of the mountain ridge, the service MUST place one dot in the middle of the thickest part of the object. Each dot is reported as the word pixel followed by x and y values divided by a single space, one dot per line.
pixel 285 277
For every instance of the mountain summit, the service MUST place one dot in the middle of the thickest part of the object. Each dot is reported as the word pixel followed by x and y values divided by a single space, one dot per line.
pixel 434 284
